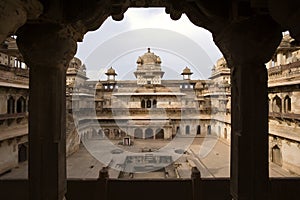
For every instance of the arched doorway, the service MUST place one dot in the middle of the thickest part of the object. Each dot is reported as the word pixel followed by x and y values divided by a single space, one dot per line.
pixel 100 133
pixel 187 130
pixel 160 134
pixel 106 132
pixel 10 105
pixel 277 104
pixel 178 130
pixel 22 152
pixel 208 130
pixel 138 133
pixel 21 105
pixel 287 104
pixel 149 133
pixel 148 104
pixel 154 103
pixel 143 104
pixel 276 155
pixel 198 130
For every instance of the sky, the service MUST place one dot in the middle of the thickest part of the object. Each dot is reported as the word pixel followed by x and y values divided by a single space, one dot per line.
pixel 118 44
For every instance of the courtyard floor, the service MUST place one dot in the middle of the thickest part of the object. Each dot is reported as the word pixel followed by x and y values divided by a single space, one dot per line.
pixel 210 155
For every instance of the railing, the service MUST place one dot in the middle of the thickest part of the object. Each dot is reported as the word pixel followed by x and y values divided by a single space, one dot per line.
pixel 284 115
pixel 287 70
pixel 174 189
pixel 12 116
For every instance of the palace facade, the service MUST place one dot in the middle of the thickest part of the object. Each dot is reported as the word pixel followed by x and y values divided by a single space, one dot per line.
pixel 151 107
pixel 284 105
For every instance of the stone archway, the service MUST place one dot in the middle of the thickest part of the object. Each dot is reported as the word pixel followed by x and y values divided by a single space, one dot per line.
pixel 277 104
pixel 21 105
pixel 10 105
pixel 149 133
pixel 178 131
pixel 138 133
pixel 209 130
pixel 148 103
pixel 187 129
pixel 143 104
pixel 199 130
pixel 236 26
pixel 287 104
pixel 22 152
pixel 160 133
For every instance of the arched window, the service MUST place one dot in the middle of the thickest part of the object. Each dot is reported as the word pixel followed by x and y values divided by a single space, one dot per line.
pixel 148 103
pixel 10 105
pixel 277 104
pixel 21 105
pixel 187 130
pixel 143 105
pixel 154 103
pixel 287 104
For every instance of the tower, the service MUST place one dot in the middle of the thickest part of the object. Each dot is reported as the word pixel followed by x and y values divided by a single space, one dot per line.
pixel 148 69
pixel 186 73
pixel 111 74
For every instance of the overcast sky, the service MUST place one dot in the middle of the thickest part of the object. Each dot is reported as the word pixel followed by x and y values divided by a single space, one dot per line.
pixel 118 44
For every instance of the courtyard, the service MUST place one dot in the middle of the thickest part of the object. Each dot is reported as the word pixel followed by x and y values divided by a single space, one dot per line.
pixel 209 154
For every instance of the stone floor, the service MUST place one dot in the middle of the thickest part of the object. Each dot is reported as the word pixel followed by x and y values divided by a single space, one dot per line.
pixel 210 155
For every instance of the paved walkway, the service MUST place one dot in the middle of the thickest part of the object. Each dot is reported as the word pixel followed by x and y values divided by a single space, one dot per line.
pixel 210 155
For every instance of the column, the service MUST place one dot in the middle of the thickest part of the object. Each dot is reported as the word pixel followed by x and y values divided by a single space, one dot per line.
pixel 47 50
pixel 249 138
pixel 247 45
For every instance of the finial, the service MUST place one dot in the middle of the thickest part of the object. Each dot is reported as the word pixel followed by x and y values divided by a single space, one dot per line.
pixel 148 50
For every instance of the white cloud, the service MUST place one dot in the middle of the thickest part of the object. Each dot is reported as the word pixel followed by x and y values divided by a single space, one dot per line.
pixel 135 19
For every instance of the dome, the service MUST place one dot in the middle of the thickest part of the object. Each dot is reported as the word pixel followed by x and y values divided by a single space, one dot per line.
pixel 221 62
pixel 75 63
pixel 198 85
pixel 148 58
pixel 186 71
pixel 111 71
pixel 99 85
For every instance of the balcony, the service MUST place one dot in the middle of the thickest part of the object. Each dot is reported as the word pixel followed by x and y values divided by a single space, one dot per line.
pixel 288 116
pixel 12 116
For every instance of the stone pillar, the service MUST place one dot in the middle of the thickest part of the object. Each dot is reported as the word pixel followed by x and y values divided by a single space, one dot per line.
pixel 247 45
pixel 249 124
pixel 47 49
